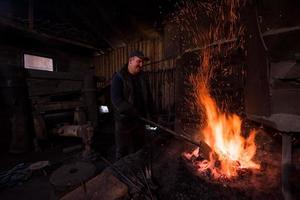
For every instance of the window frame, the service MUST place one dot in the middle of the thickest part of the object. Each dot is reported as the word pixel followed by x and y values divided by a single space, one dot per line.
pixel 39 55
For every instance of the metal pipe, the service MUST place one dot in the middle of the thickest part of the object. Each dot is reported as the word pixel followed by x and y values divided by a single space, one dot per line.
pixel 201 144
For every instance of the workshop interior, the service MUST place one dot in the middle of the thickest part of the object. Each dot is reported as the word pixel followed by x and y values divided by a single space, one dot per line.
pixel 150 100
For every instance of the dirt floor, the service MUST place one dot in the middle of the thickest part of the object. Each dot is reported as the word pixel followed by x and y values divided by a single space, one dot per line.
pixel 171 175
pixel 36 185
pixel 175 179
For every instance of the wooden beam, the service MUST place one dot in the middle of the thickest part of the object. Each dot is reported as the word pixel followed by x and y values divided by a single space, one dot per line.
pixel 31 14
pixel 85 21
pixel 108 22
pixel 38 74
pixel 43 36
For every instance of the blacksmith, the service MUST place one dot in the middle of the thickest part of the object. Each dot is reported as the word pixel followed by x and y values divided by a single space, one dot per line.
pixel 131 99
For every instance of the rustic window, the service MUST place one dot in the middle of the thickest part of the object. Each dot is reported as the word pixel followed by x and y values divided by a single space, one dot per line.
pixel 38 62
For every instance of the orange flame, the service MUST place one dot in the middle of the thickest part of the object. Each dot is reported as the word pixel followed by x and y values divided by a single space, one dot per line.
pixel 223 134
pixel 222 131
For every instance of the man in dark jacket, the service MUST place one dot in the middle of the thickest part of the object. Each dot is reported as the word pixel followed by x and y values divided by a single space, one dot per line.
pixel 131 99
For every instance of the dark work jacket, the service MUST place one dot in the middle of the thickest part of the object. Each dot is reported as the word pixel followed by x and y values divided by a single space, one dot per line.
pixel 124 105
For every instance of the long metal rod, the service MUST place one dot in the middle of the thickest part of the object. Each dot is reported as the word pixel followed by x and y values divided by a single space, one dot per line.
pixel 125 178
pixel 146 182
pixel 122 175
pixel 200 144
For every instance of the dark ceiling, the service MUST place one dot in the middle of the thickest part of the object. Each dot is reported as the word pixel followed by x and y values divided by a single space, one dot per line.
pixel 101 24
pixel 105 25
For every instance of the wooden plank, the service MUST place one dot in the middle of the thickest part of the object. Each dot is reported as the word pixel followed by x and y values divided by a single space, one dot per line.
pixel 65 105
pixel 43 36
pixel 44 87
pixel 38 74
pixel 104 186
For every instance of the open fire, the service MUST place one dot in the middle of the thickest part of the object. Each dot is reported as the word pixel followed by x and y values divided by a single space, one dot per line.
pixel 221 131
pixel 223 134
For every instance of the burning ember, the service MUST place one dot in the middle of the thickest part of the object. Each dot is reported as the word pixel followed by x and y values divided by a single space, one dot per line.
pixel 223 134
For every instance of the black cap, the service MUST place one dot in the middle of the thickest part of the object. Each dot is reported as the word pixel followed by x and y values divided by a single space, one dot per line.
pixel 139 54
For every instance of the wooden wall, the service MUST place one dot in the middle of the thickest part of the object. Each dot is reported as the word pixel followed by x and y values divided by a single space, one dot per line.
pixel 108 63
pixel 70 63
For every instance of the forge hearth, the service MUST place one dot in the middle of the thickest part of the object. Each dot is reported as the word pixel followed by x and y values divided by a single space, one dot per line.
pixel 175 179
pixel 257 182
pixel 188 184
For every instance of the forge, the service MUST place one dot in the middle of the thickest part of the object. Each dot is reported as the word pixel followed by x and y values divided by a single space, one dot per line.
pixel 213 86
pixel 218 101
pixel 175 177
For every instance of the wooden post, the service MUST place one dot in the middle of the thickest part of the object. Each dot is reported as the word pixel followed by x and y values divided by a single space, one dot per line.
pixel 89 86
